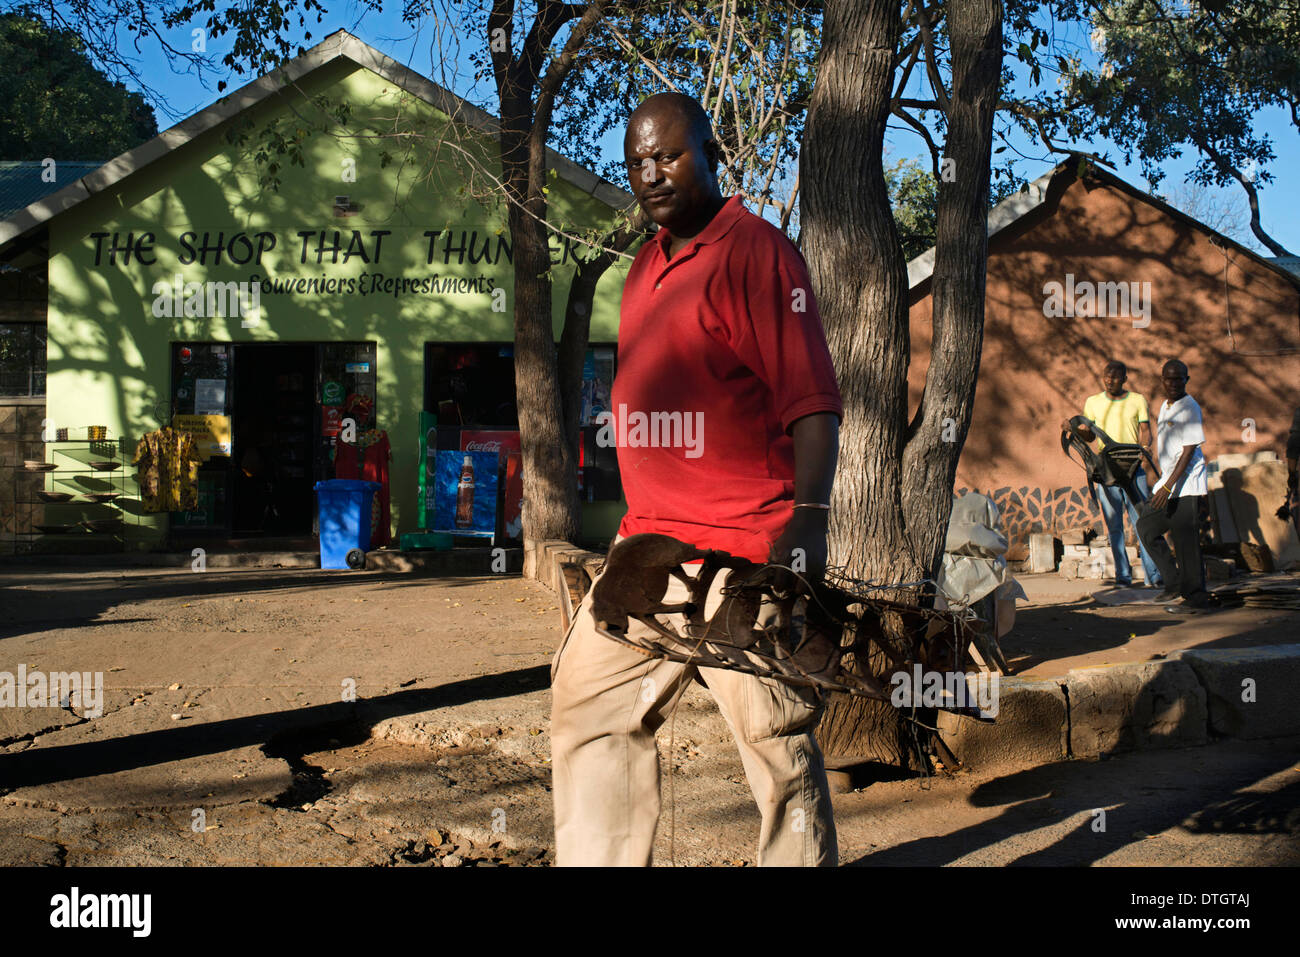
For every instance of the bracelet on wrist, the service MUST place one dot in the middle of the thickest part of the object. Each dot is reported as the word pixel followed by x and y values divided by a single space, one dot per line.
pixel 816 505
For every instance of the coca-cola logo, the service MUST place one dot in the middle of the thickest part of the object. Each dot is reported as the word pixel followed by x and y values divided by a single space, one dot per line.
pixel 484 446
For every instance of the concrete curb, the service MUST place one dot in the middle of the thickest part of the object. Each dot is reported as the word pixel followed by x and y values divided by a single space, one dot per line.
pixel 545 562
pixel 1250 692
pixel 1031 726
pixel 1191 698
pixel 456 561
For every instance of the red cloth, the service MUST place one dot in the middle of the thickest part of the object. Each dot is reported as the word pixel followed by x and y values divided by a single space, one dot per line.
pixel 727 328
pixel 368 462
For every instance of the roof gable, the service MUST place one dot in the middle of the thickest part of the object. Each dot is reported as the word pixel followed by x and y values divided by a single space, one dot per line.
pixel 1013 210
pixel 340 44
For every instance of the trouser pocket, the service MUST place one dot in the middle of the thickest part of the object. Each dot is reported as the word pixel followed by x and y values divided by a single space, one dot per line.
pixel 774 709
pixel 564 642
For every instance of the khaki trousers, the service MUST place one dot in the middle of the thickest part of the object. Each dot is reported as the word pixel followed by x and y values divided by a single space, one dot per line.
pixel 608 701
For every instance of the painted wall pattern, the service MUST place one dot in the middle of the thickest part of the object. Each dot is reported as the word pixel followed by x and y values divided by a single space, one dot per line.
pixel 1025 510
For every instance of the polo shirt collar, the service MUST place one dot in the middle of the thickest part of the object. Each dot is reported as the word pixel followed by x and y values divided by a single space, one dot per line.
pixel 719 225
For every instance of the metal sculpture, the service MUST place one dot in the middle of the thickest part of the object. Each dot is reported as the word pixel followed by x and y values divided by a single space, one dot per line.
pixel 772 622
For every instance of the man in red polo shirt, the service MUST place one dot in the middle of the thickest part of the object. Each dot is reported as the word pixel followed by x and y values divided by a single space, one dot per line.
pixel 725 417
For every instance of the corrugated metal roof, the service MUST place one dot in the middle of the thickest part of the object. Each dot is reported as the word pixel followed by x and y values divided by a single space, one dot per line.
pixel 22 183
pixel 1289 263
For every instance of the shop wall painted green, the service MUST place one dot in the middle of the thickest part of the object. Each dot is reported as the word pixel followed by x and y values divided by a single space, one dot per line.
pixel 109 354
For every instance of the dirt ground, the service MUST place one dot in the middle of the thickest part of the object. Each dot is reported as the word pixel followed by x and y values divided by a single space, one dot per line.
pixel 305 717
pixel 1064 626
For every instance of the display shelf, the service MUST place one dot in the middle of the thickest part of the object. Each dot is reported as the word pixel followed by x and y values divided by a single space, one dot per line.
pixel 85 502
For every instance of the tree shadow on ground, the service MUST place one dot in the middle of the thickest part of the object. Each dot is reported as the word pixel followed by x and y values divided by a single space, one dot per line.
pixel 45 765
pixel 22 611
pixel 1042 796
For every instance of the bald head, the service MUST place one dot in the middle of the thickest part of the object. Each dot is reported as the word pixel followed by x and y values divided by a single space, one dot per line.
pixel 673 108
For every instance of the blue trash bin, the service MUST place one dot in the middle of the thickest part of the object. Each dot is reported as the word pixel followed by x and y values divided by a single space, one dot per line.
pixel 344 521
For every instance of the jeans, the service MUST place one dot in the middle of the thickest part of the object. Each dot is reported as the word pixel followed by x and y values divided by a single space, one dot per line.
pixel 1179 517
pixel 1113 501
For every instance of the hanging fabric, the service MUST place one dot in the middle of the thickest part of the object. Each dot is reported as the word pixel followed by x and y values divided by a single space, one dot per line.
pixel 168 471
pixel 367 460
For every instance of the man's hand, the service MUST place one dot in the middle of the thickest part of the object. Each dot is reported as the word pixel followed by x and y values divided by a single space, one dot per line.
pixel 802 545
pixel 1082 431
pixel 816 448
pixel 1175 476
pixel 1159 497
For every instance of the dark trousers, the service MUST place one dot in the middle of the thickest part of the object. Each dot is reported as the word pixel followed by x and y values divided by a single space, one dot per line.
pixel 1179 517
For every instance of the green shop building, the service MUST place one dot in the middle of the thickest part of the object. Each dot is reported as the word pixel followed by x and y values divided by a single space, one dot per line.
pixel 365 295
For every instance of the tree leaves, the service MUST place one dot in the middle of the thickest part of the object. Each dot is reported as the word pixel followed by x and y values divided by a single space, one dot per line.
pixel 57 103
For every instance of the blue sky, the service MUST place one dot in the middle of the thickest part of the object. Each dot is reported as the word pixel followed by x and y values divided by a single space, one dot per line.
pixel 386 32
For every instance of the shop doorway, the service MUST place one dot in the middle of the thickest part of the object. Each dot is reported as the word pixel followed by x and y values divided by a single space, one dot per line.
pixel 269 416
pixel 272 422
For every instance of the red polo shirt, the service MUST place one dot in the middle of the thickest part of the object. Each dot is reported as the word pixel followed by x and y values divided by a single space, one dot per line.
pixel 720 350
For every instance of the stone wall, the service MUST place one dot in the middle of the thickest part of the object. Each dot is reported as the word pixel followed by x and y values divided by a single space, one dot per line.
pixel 22 299
pixel 20 438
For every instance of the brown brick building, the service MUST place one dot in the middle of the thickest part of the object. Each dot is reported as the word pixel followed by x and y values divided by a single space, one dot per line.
pixel 1083 269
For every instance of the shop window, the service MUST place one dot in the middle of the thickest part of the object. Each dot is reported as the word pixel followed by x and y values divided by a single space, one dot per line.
pixel 470 388
pixel 22 359
pixel 471 385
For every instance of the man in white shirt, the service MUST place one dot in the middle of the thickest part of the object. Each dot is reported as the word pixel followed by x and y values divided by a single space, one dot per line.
pixel 1175 502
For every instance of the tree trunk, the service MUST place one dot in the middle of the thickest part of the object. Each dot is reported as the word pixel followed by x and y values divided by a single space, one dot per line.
pixel 893 491
pixel 551 504
pixel 957 285
pixel 526 88
pixel 577 320
pixel 851 245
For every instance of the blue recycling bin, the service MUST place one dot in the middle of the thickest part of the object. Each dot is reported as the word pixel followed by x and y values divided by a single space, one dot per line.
pixel 344 521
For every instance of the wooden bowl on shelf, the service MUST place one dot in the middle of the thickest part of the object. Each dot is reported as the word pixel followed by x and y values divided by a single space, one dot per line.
pixel 36 465
pixel 103 465
pixel 102 497
pixel 53 496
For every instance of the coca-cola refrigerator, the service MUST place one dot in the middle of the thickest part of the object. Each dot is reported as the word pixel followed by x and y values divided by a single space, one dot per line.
pixel 505 443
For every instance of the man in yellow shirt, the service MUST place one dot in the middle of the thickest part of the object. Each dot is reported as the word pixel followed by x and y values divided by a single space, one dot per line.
pixel 1123 416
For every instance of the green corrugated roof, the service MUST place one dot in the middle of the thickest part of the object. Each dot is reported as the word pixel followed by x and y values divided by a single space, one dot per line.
pixel 21 183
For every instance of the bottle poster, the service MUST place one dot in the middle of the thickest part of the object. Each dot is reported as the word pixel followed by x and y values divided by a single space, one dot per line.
pixel 505 443
pixel 465 493
pixel 597 383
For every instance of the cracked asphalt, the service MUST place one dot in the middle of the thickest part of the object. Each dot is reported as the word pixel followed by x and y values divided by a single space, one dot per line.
pixel 276 716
